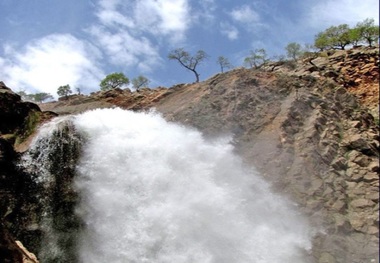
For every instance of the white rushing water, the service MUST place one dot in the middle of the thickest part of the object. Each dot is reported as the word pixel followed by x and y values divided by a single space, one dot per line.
pixel 153 191
pixel 157 192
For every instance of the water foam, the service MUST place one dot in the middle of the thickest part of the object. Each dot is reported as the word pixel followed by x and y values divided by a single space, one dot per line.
pixel 153 191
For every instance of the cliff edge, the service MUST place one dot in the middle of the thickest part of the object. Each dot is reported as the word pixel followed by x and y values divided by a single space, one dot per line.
pixel 310 127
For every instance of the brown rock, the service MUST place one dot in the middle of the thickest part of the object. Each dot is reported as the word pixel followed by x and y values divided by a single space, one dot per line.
pixel 369 177
pixel 339 163
pixel 374 166
pixel 356 141
pixel 339 206
pixel 362 160
pixel 357 222
pixel 374 196
pixel 355 174
pixel 355 124
pixel 352 155
pixel 252 107
pixel 361 203
pixel 373 230
pixel 27 256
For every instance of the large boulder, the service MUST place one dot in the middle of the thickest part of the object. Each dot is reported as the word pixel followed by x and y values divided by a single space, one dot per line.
pixel 13 111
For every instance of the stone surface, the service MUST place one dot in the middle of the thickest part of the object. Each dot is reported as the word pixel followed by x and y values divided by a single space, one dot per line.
pixel 309 130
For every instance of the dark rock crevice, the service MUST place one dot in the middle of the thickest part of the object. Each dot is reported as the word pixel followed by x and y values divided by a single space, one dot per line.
pixel 51 162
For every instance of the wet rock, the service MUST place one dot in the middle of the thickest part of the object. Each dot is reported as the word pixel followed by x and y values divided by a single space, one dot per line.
pixel 305 131
pixel 27 257
pixel 13 111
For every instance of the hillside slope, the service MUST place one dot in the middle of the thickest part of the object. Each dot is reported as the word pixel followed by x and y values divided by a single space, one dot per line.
pixel 310 128
pixel 314 143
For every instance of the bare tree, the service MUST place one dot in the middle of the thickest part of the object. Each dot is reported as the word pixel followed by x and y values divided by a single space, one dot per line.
pixel 256 58
pixel 188 61
pixel 139 82
pixel 223 63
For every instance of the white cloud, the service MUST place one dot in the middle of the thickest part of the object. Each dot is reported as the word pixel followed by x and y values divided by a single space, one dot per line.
pixel 245 14
pixel 205 14
pixel 229 30
pixel 174 15
pixel 47 63
pixel 111 17
pixel 123 49
pixel 125 29
pixel 169 18
pixel 327 13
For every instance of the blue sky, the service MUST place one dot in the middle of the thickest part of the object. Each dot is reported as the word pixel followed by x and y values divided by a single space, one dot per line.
pixel 48 43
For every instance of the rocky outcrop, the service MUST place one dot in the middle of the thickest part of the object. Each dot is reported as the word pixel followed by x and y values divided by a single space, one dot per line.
pixel 8 247
pixel 14 116
pixel 27 257
pixel 302 125
pixel 359 72
pixel 355 69
pixel 126 99
pixel 13 112
pixel 51 162
pixel 19 119
pixel 309 136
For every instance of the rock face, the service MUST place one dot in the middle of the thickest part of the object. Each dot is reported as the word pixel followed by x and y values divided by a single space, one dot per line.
pixel 314 143
pixel 13 112
pixel 51 161
pixel 308 128
pixel 17 121
pixel 126 99
pixel 356 69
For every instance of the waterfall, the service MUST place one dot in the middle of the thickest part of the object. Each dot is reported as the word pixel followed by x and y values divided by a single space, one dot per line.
pixel 153 191
pixel 51 162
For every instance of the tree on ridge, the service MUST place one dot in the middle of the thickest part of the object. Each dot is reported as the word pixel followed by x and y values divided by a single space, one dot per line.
pixel 223 63
pixel 188 61
pixel 64 91
pixel 139 82
pixel 113 81
pixel 257 58
pixel 368 31
pixel 293 50
pixel 338 37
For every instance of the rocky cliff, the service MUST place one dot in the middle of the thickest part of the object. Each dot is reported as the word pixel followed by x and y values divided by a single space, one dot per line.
pixel 18 121
pixel 310 127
